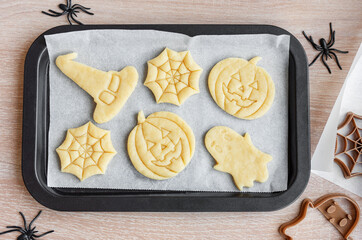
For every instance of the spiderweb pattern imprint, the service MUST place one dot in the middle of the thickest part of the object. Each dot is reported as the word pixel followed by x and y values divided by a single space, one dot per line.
pixel 173 76
pixel 349 145
pixel 86 151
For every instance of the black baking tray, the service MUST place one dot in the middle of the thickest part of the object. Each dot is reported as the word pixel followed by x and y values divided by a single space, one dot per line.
pixel 36 125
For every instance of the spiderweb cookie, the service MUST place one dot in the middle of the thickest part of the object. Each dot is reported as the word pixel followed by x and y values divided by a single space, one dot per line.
pixel 173 76
pixel 86 151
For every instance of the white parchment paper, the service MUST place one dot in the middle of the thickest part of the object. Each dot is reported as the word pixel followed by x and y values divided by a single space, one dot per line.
pixel 106 50
pixel 349 99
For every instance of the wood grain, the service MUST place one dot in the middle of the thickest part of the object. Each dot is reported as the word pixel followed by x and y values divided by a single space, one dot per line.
pixel 21 22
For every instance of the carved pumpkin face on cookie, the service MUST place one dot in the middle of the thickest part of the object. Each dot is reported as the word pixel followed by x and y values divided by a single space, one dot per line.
pixel 161 146
pixel 241 88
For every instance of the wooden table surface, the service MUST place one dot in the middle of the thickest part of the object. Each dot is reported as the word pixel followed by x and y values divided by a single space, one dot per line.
pixel 21 22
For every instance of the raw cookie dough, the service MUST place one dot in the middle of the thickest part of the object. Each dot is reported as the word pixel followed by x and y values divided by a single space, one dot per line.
pixel 173 76
pixel 241 88
pixel 161 145
pixel 86 151
pixel 110 90
pixel 237 155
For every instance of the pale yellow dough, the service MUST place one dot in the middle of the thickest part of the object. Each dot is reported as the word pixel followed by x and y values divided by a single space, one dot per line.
pixel 110 90
pixel 173 76
pixel 241 88
pixel 237 155
pixel 86 151
pixel 161 145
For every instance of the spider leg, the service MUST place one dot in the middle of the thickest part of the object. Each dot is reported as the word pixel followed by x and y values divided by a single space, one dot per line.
pixel 315 59
pixel 24 220
pixel 332 40
pixel 14 227
pixel 34 219
pixel 333 49
pixel 13 230
pixel 336 58
pixel 325 64
pixel 80 6
pixel 330 30
pixel 316 47
pixel 68 15
pixel 75 20
pixel 56 12
pixel 43 234
pixel 90 13
pixel 52 15
pixel 17 227
pixel 310 39
pixel 306 37
pixel 69 3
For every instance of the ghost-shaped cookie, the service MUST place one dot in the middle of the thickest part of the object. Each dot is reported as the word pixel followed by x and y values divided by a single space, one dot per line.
pixel 237 155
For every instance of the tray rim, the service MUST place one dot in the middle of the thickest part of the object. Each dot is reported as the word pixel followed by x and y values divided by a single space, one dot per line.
pixel 175 202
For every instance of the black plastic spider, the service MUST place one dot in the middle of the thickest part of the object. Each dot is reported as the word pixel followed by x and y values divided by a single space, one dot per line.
pixel 27 233
pixel 325 48
pixel 70 10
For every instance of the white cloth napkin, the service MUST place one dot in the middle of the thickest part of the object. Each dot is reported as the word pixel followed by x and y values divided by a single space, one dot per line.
pixel 349 99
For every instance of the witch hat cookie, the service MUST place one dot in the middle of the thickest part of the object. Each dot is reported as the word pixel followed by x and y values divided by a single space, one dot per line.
pixel 110 90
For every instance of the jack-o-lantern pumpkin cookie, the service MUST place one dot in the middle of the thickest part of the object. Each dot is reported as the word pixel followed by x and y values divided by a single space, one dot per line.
pixel 241 88
pixel 86 151
pixel 173 76
pixel 237 155
pixel 110 90
pixel 161 145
